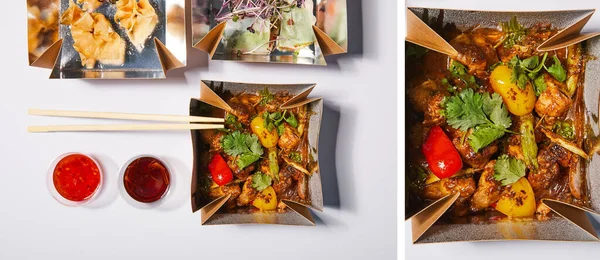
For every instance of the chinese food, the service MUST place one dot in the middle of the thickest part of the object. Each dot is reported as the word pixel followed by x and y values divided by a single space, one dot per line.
pixel 262 157
pixel 42 25
pixel 260 27
pixel 138 19
pixel 93 37
pixel 502 124
pixel 146 179
pixel 76 177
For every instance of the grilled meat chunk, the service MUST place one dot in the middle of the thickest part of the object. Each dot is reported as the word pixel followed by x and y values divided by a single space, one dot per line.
pixel 552 102
pixel 488 189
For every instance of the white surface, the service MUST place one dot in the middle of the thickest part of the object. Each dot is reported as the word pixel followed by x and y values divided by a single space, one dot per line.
pixel 34 226
pixel 503 249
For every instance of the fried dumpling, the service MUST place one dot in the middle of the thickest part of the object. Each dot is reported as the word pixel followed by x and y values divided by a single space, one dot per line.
pixel 138 19
pixel 89 5
pixel 94 38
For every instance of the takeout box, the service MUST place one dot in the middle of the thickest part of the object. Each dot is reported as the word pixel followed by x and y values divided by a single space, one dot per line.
pixel 569 222
pixel 211 103
pixel 305 32
pixel 51 44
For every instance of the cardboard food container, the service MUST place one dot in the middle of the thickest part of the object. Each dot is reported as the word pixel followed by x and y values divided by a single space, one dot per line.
pixel 211 103
pixel 153 43
pixel 568 222
pixel 298 31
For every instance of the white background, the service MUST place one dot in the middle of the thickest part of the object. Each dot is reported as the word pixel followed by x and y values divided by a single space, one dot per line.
pixel 358 152
pixel 503 249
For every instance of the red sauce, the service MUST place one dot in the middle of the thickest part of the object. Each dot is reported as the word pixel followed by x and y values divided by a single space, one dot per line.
pixel 146 179
pixel 76 177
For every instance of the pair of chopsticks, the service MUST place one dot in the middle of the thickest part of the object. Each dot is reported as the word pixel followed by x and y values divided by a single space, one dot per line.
pixel 200 123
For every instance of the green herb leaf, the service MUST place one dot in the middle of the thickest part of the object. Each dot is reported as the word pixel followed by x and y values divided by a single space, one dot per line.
pixel 540 85
pixel 508 170
pixel 557 71
pixel 261 181
pixel 280 129
pixel 485 114
pixel 514 32
pixel 531 62
pixel 266 96
pixel 460 71
pixel 484 135
pixel 245 147
pixel 232 120
pixel 291 119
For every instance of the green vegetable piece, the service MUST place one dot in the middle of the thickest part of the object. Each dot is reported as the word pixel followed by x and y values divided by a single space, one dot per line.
pixel 564 129
pixel 557 71
pixel 266 96
pixel 261 181
pixel 508 170
pixel 291 119
pixel 514 32
pixel 273 163
pixel 528 144
pixel 232 120
pixel 296 157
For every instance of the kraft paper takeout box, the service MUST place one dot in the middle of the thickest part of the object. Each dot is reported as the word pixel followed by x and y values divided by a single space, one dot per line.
pixel 165 50
pixel 207 33
pixel 570 223
pixel 211 103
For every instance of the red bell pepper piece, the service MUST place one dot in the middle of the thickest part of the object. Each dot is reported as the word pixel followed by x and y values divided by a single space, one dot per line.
pixel 219 170
pixel 441 155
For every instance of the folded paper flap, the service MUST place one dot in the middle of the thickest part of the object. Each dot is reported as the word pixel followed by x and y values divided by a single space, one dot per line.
pixel 574 214
pixel 425 218
pixel 210 41
pixel 418 32
pixel 300 209
pixel 569 22
pixel 299 99
pixel 568 36
pixel 207 95
pixel 328 45
pixel 48 59
pixel 167 59
pixel 211 208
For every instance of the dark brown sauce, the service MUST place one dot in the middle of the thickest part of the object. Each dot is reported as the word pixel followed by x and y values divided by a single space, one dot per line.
pixel 146 179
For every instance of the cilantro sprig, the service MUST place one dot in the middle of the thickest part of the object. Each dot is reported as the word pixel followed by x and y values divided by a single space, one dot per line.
pixel 514 32
pixel 275 120
pixel 508 170
pixel 261 181
pixel 528 70
pixel 245 147
pixel 485 114
pixel 460 71
pixel 265 96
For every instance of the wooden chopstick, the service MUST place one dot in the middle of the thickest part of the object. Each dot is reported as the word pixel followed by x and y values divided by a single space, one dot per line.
pixel 135 127
pixel 124 116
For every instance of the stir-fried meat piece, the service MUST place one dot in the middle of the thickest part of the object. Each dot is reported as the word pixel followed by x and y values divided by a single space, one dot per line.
pixel 488 189
pixel 241 174
pixel 243 107
pixel 233 190
pixel 437 190
pixel 465 185
pixel 514 147
pixel 427 98
pixel 288 140
pixel 475 51
pixel 248 193
pixel 215 144
pixel 475 159
pixel 552 102
pixel 549 157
